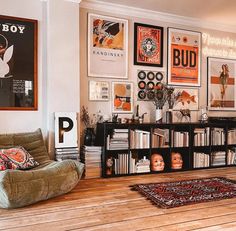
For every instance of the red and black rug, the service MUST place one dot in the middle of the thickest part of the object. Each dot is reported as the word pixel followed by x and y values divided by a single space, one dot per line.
pixel 179 193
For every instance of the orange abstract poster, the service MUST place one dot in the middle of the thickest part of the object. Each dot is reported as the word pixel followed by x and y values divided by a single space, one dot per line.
pixel 184 57
pixel 107 47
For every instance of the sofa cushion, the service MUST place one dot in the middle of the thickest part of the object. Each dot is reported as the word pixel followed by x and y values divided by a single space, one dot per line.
pixel 19 188
pixel 17 158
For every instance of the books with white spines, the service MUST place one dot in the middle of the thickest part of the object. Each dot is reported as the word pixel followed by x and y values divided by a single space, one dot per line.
pixel 231 156
pixel 201 160
pixel 232 136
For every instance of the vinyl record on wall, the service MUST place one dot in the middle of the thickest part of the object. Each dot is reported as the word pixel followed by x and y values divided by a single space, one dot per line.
pixel 159 76
pixel 142 74
pixel 141 84
pixel 150 85
pixel 142 95
pixel 150 75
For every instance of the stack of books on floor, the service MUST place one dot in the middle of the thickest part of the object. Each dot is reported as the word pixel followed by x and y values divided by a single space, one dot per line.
pixel 139 139
pixel 218 136
pixel 118 140
pixel 91 157
pixel 143 165
pixel 160 138
pixel 231 156
pixel 218 158
pixel 232 136
pixel 201 136
pixel 66 153
pixel 201 160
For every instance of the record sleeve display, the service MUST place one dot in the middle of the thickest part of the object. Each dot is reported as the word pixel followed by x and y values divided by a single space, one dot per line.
pixel 146 82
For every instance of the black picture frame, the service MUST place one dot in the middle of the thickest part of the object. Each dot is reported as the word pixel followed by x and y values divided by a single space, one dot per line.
pixel 19 69
pixel 148 35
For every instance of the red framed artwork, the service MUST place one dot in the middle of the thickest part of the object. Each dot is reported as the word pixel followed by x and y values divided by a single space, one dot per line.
pixel 148 45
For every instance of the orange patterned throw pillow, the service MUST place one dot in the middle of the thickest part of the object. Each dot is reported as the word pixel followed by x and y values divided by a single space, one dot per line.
pixel 16 158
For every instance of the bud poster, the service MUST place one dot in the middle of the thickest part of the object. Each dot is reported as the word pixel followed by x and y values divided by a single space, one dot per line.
pixel 18 63
pixel 107 47
pixel 184 57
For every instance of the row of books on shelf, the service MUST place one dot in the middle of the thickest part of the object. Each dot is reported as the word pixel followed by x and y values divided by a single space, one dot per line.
pixel 232 136
pixel 218 158
pixel 125 164
pixel 139 139
pixel 201 136
pixel 160 138
pixel 118 140
pixel 218 136
pixel 201 160
pixel 180 139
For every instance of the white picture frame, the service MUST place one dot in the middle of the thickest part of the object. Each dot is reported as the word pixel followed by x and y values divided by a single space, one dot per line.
pixel 98 90
pixel 107 47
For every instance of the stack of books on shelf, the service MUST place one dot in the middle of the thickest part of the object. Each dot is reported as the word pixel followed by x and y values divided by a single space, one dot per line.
pixel 232 136
pixel 201 136
pixel 231 157
pixel 180 139
pixel 139 139
pixel 218 136
pixel 66 153
pixel 160 138
pixel 91 157
pixel 118 140
pixel 218 158
pixel 201 160
pixel 121 164
pixel 143 165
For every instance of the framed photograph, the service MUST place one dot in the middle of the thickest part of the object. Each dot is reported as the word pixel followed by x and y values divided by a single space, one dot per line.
pixel 184 57
pixel 18 63
pixel 221 91
pixel 122 97
pixel 187 98
pixel 107 47
pixel 148 45
pixel 98 90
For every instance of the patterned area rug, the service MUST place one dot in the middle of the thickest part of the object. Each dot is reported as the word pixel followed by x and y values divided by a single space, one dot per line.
pixel 179 193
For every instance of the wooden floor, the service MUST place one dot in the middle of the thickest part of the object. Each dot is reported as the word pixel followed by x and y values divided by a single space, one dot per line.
pixel 109 204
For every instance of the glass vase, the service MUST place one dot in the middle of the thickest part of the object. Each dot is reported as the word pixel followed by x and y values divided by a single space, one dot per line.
pixel 169 116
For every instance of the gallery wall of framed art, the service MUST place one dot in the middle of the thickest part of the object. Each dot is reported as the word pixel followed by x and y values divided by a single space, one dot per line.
pixel 177 52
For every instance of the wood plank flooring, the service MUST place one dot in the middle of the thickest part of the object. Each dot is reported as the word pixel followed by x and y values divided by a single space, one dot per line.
pixel 109 204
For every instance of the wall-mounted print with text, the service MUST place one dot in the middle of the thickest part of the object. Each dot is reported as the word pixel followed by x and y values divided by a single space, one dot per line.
pixel 98 90
pixel 221 84
pixel 184 57
pixel 107 47
pixel 18 63
pixel 148 45
pixel 187 98
pixel 122 97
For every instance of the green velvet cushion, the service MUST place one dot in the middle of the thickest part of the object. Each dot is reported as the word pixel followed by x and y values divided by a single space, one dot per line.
pixel 51 178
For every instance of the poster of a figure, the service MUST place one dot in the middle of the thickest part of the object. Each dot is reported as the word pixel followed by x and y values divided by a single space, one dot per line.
pixel 148 45
pixel 18 63
pixel 184 57
pixel 107 47
pixel 221 84
pixel 122 97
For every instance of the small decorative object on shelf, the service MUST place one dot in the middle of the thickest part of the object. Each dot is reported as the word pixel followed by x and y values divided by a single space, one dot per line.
pixel 184 115
pixel 176 160
pixel 157 162
pixel 204 116
pixel 109 164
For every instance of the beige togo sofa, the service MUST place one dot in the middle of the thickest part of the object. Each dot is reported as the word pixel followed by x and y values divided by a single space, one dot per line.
pixel 51 178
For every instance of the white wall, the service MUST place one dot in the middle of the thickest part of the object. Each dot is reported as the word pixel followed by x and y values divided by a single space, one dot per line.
pixel 58 64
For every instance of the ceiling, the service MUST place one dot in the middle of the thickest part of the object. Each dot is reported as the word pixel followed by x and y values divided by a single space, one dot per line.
pixel 218 11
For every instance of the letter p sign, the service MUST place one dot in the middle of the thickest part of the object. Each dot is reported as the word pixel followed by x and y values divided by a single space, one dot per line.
pixel 65 130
